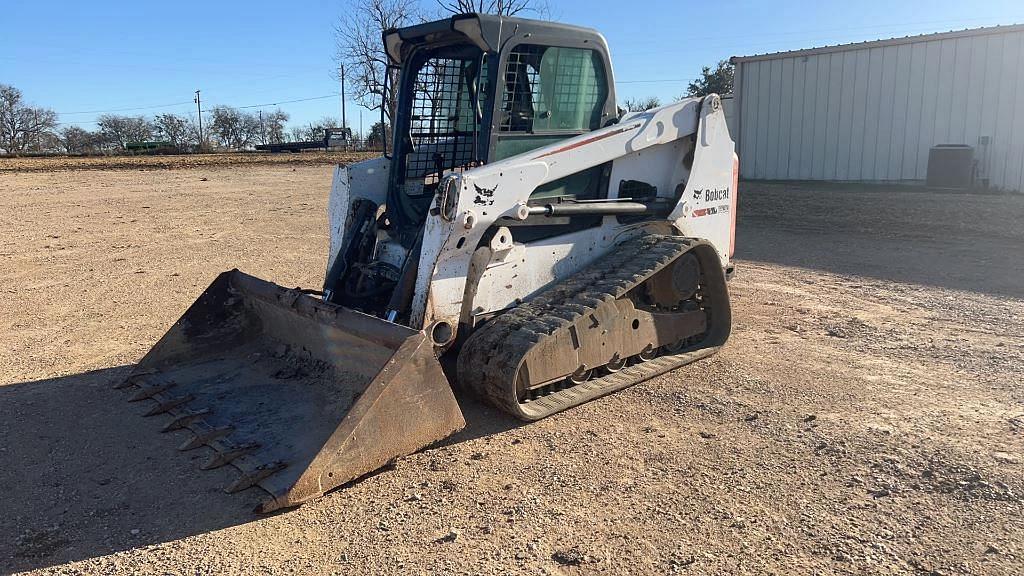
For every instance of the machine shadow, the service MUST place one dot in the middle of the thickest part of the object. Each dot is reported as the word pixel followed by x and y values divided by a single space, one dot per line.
pixel 84 474
pixel 899 233
pixel 482 419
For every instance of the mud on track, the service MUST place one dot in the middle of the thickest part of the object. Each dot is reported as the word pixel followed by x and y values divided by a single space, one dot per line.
pixel 867 415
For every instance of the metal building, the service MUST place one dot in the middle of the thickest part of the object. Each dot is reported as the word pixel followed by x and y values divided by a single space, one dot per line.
pixel 871 111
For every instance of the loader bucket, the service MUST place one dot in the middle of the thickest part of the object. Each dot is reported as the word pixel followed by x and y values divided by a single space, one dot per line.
pixel 298 394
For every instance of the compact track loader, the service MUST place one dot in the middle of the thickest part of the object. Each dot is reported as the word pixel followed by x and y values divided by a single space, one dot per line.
pixel 545 247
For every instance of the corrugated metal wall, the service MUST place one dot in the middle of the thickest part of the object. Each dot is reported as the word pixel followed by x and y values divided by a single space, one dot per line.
pixel 872 113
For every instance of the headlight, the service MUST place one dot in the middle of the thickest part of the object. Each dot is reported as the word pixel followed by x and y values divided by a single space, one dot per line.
pixel 448 197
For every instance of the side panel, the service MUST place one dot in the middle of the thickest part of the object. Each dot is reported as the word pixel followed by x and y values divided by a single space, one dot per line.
pixel 705 209
pixel 366 179
pixel 660 166
pixel 528 268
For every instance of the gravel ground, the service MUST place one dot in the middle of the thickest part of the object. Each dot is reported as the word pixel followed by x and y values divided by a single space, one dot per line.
pixel 867 416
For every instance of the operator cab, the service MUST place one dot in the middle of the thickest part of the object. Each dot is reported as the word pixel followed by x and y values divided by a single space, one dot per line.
pixel 480 88
pixel 473 89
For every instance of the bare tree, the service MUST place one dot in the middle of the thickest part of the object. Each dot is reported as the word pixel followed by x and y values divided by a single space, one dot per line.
pixel 315 130
pixel 360 49
pixel 100 141
pixel 502 7
pixel 24 127
pixel 641 104
pixel 124 129
pixel 273 127
pixel 180 131
pixel 47 141
pixel 75 139
pixel 234 128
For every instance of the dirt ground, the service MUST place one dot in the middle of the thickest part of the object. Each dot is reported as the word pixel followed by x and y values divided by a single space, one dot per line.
pixel 175 162
pixel 866 417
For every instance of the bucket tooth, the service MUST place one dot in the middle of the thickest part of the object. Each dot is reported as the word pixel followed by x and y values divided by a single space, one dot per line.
pixel 185 419
pixel 205 437
pixel 133 379
pixel 250 479
pixel 222 458
pixel 170 404
pixel 150 391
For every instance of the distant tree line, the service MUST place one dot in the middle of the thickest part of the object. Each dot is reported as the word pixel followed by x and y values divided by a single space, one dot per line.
pixel 29 129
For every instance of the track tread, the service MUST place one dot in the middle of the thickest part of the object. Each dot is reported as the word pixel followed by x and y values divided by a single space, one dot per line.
pixel 489 360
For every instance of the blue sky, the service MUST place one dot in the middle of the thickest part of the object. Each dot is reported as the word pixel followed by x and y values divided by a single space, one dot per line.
pixel 80 58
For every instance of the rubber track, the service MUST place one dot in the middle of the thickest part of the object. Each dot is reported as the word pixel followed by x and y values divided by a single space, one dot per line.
pixel 490 359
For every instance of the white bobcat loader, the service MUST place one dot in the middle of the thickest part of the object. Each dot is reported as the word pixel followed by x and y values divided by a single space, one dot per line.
pixel 544 247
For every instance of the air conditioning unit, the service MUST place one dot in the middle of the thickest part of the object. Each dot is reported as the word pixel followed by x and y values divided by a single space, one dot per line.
pixel 951 166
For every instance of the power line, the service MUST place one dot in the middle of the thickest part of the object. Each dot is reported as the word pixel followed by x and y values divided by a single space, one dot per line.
pixel 323 97
pixel 332 95
pixel 122 109
pixel 295 100
pixel 155 106
pixel 77 123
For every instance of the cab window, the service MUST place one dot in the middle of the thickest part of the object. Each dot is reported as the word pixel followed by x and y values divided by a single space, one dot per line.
pixel 551 93
pixel 549 88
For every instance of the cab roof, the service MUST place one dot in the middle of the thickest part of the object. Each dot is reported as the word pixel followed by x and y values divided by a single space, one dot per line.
pixel 486 31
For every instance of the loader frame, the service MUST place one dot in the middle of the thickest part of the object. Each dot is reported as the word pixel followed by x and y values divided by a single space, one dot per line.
pixel 480 202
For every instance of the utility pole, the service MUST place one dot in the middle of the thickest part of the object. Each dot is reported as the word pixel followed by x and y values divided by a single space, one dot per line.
pixel 361 133
pixel 344 125
pixel 263 133
pixel 199 106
